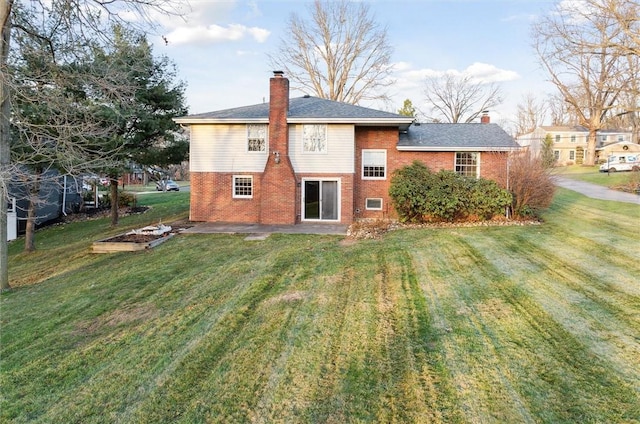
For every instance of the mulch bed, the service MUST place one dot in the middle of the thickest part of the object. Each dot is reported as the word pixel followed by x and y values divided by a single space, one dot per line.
pixel 376 229
pixel 90 214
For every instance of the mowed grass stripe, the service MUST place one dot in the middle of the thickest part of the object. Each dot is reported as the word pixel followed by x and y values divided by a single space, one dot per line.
pixel 470 296
pixel 113 347
pixel 217 362
pixel 469 348
pixel 587 316
pixel 607 380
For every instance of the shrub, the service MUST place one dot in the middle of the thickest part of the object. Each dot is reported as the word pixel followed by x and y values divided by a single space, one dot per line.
pixel 420 195
pixel 487 199
pixel 409 191
pixel 125 198
pixel 531 185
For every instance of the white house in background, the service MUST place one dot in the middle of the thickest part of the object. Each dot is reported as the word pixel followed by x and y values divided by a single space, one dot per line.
pixel 569 142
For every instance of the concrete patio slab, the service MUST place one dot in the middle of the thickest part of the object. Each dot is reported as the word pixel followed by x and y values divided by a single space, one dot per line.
pixel 231 228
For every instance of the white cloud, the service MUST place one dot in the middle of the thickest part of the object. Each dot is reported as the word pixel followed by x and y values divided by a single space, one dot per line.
pixel 486 73
pixel 215 34
pixel 478 71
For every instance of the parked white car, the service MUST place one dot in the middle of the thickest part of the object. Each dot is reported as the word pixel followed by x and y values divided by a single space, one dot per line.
pixel 629 162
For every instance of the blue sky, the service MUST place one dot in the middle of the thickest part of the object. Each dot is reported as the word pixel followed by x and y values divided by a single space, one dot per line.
pixel 221 47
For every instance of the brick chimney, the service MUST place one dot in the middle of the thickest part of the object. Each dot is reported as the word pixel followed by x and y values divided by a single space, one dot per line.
pixel 278 182
pixel 484 119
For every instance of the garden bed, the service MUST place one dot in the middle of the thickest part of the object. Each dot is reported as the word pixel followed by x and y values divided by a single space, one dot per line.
pixel 142 239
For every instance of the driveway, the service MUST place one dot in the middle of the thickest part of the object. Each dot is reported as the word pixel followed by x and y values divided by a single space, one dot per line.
pixel 596 191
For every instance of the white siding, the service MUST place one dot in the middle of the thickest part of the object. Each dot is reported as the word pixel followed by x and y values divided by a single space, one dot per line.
pixel 340 155
pixel 223 148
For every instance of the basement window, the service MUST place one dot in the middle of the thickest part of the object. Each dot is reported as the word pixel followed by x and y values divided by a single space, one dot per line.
pixel 242 186
pixel 374 204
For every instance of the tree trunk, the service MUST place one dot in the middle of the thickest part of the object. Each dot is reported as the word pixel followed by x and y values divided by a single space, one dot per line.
pixel 30 231
pixel 113 195
pixel 590 151
pixel 5 113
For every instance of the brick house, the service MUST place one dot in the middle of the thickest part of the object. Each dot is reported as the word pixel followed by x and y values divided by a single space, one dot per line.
pixel 307 159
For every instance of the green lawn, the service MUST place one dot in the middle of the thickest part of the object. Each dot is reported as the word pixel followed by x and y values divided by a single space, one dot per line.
pixel 591 174
pixel 502 324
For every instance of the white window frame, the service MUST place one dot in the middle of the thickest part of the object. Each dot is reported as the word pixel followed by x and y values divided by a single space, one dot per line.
pixel 235 186
pixel 455 164
pixel 371 208
pixel 314 147
pixel 573 138
pixel 338 200
pixel 556 155
pixel 265 136
pixel 572 155
pixel 370 164
pixel 558 138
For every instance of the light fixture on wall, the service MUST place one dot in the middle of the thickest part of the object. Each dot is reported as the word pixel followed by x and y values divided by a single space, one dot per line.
pixel 276 157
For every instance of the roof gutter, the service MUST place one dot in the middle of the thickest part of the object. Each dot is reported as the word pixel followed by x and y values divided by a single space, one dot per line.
pixel 456 149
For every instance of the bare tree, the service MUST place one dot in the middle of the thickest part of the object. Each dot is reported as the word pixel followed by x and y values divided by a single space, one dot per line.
pixel 340 54
pixel 73 26
pixel 577 49
pixel 626 15
pixel 458 98
pixel 530 114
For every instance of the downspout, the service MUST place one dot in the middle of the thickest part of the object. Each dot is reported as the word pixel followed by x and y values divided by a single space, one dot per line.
pixel 64 195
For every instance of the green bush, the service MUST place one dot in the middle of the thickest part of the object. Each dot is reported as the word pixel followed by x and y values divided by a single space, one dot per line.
pixel 125 198
pixel 420 195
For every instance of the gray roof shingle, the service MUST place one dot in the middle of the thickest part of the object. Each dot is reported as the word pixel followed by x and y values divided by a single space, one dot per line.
pixel 300 108
pixel 447 137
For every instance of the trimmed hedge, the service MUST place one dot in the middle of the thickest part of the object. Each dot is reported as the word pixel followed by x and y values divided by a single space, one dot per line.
pixel 420 195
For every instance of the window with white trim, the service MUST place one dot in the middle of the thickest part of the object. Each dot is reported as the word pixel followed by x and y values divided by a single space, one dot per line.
pixel 556 154
pixel 374 204
pixel 314 138
pixel 572 155
pixel 468 164
pixel 557 138
pixel 573 138
pixel 242 186
pixel 256 137
pixel 374 164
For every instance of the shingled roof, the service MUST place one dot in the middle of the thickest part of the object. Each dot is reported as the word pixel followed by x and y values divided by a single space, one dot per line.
pixel 459 137
pixel 306 109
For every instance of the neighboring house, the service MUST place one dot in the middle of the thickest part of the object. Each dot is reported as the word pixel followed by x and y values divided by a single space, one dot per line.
pixel 308 159
pixel 570 142
pixel 617 148
pixel 58 195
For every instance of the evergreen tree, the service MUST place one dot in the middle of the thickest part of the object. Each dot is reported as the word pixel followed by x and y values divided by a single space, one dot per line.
pixel 145 131
pixel 408 109
pixel 546 152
